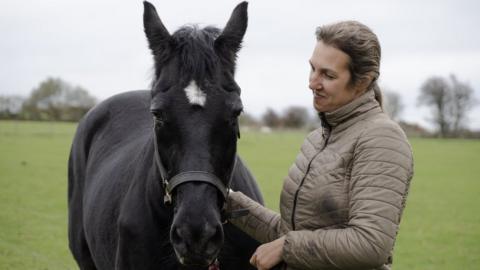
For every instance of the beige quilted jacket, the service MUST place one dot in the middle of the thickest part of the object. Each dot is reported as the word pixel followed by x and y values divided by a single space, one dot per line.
pixel 343 198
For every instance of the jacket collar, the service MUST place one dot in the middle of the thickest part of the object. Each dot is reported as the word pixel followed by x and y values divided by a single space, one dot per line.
pixel 358 106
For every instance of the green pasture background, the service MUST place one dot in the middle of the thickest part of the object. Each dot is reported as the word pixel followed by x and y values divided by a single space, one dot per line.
pixel 440 228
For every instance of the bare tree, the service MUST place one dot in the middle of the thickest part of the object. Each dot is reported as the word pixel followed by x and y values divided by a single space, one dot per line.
pixel 10 106
pixel 462 101
pixel 393 104
pixel 450 102
pixel 271 119
pixel 295 117
pixel 435 93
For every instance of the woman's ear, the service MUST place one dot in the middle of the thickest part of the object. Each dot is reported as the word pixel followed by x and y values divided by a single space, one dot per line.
pixel 363 84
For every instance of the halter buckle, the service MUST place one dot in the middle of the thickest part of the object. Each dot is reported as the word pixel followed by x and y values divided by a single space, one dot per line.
pixel 167 198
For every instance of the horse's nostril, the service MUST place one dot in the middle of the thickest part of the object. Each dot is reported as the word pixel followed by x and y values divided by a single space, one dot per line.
pixel 176 235
pixel 215 240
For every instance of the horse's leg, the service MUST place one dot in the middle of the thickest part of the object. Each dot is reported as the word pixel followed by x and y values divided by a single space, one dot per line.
pixel 81 253
pixel 76 234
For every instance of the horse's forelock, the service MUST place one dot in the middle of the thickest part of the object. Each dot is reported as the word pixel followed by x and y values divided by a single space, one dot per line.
pixel 195 47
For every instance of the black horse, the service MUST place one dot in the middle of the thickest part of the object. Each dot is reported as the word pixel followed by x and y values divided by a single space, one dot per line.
pixel 148 170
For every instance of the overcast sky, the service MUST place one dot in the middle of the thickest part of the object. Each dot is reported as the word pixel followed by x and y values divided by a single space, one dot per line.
pixel 100 45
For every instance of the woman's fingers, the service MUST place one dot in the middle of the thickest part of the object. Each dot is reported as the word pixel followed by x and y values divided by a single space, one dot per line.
pixel 253 259
pixel 268 255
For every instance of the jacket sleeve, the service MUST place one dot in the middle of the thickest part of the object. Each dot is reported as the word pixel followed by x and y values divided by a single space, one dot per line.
pixel 261 223
pixel 381 170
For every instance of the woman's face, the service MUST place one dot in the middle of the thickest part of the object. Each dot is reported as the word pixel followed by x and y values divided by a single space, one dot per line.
pixel 329 78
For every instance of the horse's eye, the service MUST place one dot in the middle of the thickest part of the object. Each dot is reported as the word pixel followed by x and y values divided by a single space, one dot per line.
pixel 159 121
pixel 158 116
pixel 157 112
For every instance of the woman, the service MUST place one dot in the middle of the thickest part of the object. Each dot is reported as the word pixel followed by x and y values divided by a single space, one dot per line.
pixel 343 198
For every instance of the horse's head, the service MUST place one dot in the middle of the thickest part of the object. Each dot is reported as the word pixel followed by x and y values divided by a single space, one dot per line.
pixel 195 104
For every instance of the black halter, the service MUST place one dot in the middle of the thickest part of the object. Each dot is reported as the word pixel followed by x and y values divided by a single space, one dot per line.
pixel 196 176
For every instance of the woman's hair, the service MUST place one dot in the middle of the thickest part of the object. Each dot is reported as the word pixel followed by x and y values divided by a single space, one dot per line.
pixel 361 45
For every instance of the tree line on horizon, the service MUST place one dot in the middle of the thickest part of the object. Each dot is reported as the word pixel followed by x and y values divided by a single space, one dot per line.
pixel 52 100
pixel 449 99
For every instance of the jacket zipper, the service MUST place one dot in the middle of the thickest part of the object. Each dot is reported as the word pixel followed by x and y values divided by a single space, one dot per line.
pixel 325 137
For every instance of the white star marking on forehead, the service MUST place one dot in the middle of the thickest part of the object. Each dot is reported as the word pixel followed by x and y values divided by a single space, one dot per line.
pixel 195 95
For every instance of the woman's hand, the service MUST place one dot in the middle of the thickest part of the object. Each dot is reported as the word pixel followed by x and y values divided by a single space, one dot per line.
pixel 268 255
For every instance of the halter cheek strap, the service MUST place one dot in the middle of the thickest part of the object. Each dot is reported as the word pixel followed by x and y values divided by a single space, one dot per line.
pixel 167 198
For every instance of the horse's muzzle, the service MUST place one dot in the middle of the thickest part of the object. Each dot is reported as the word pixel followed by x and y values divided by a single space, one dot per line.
pixel 196 245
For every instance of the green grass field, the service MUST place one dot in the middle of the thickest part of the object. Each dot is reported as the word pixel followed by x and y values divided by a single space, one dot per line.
pixel 440 228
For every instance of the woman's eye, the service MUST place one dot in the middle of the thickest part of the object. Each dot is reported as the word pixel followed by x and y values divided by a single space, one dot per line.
pixel 329 76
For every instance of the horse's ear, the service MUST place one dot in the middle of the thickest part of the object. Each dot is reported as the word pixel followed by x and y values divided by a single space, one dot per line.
pixel 157 35
pixel 230 40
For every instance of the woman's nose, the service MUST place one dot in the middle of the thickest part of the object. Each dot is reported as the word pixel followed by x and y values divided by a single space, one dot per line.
pixel 314 81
